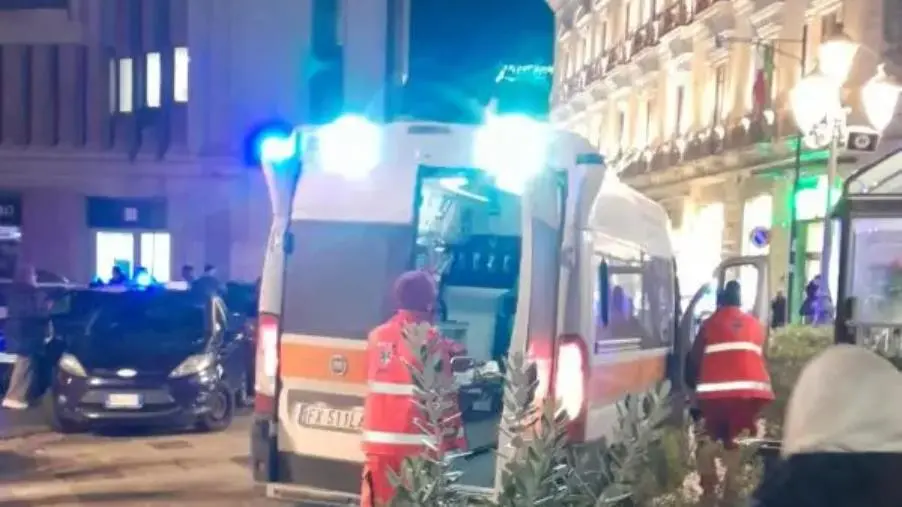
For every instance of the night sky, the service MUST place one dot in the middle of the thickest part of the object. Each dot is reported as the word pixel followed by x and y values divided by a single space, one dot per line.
pixel 458 46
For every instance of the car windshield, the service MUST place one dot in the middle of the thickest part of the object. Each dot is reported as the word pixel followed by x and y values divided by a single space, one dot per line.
pixel 163 317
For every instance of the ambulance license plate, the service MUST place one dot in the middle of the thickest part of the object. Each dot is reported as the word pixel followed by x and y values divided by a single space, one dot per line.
pixel 316 416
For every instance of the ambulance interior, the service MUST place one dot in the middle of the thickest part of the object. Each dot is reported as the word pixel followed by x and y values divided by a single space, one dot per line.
pixel 469 234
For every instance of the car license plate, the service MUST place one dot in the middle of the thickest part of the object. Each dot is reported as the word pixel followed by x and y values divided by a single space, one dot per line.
pixel 123 401
pixel 316 416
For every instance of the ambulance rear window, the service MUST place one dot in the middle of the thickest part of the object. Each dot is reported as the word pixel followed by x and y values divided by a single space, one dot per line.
pixel 340 276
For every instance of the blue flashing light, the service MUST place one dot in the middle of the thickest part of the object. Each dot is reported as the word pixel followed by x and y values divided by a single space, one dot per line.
pixel 143 280
pixel 351 146
pixel 276 147
pixel 513 148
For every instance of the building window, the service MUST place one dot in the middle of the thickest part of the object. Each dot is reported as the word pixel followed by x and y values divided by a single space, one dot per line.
pixel 113 86
pixel 126 76
pixel 621 128
pixel 831 24
pixel 720 79
pixel 180 76
pixel 678 113
pixel 627 18
pixel 649 111
pixel 154 88
pixel 601 38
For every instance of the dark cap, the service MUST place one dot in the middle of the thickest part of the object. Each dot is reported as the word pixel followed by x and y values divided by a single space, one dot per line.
pixel 415 291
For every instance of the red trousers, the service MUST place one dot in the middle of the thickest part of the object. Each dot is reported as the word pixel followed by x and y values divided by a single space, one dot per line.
pixel 724 419
pixel 376 488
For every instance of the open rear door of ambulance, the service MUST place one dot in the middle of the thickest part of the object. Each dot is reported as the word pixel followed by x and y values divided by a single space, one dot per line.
pixel 535 322
pixel 752 274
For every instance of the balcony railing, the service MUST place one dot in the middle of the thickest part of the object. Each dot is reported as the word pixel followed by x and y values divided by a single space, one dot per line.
pixel 646 36
pixel 704 143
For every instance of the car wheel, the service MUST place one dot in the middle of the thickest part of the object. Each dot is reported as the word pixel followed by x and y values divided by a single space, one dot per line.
pixel 57 422
pixel 222 410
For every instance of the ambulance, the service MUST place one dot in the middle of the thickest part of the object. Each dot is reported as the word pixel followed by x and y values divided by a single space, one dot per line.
pixel 537 247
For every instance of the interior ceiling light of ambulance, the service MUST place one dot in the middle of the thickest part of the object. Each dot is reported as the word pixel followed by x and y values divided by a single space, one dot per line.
pixel 513 149
pixel 351 146
pixel 457 185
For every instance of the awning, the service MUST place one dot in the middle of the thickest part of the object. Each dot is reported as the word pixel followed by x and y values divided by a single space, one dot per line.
pixel 883 176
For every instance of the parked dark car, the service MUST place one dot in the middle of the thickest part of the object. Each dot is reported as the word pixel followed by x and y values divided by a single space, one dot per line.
pixel 150 356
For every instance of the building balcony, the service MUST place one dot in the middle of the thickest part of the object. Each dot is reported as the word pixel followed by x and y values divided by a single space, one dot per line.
pixel 706 146
pixel 635 48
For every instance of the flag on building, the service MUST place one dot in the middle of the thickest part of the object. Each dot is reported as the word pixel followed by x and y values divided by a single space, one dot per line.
pixel 762 89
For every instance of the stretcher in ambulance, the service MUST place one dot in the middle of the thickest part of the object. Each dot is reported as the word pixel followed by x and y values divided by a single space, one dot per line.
pixel 536 249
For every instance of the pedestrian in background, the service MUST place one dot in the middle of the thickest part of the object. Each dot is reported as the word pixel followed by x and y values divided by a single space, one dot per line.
pixel 26 330
pixel 188 273
pixel 817 307
pixel 778 311
pixel 208 283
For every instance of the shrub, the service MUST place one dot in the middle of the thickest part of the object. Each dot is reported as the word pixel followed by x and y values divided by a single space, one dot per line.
pixel 542 468
pixel 789 349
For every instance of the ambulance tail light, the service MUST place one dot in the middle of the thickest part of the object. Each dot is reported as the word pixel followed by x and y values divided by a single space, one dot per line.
pixel 267 362
pixel 571 377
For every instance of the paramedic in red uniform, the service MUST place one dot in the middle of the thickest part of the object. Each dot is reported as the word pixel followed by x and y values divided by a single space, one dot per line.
pixel 390 433
pixel 733 386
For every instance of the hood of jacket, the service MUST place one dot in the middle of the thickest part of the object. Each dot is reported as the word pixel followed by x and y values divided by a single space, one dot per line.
pixel 846 400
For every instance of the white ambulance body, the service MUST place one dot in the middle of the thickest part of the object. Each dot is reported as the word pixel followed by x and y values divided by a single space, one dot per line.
pixel 537 251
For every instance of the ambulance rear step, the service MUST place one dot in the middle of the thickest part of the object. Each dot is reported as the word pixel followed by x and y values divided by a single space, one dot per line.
pixel 309 496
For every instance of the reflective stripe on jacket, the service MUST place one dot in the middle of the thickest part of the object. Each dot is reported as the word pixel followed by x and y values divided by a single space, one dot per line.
pixel 732 362
pixel 390 410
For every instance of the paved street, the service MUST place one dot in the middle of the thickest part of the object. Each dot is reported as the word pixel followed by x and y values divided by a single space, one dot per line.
pixel 130 469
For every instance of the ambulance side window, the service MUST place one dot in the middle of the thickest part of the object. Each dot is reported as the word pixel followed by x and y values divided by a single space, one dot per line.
pixel 602 294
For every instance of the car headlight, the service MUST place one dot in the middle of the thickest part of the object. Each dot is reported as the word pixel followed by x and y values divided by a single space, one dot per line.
pixel 193 365
pixel 71 365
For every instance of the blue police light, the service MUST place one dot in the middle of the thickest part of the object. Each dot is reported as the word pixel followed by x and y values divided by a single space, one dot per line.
pixel 513 148
pixel 143 279
pixel 351 146
pixel 277 147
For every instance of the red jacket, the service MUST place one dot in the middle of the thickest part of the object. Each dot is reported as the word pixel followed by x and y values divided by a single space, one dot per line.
pixel 390 409
pixel 729 349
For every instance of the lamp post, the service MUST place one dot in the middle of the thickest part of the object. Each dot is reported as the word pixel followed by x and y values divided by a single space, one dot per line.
pixel 819 113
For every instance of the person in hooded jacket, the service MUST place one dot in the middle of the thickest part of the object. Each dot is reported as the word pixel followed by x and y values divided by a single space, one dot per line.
pixel 390 432
pixel 817 307
pixel 842 437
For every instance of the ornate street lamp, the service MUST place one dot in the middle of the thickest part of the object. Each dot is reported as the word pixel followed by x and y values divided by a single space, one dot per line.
pixel 817 107
pixel 815 100
pixel 835 57
pixel 879 97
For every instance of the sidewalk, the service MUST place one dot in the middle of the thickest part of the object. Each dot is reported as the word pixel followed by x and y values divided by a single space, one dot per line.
pixel 17 424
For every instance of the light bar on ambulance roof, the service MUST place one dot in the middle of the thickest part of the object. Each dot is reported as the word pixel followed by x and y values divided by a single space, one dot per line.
pixel 513 148
pixel 351 146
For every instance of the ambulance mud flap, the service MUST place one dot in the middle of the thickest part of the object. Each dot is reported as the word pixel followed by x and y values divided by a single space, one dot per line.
pixel 264 458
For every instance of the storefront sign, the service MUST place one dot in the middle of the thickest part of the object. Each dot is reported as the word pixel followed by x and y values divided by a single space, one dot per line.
pixel 10 210
pixel 110 213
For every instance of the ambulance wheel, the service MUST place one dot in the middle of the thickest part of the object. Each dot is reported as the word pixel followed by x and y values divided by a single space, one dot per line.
pixel 220 412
